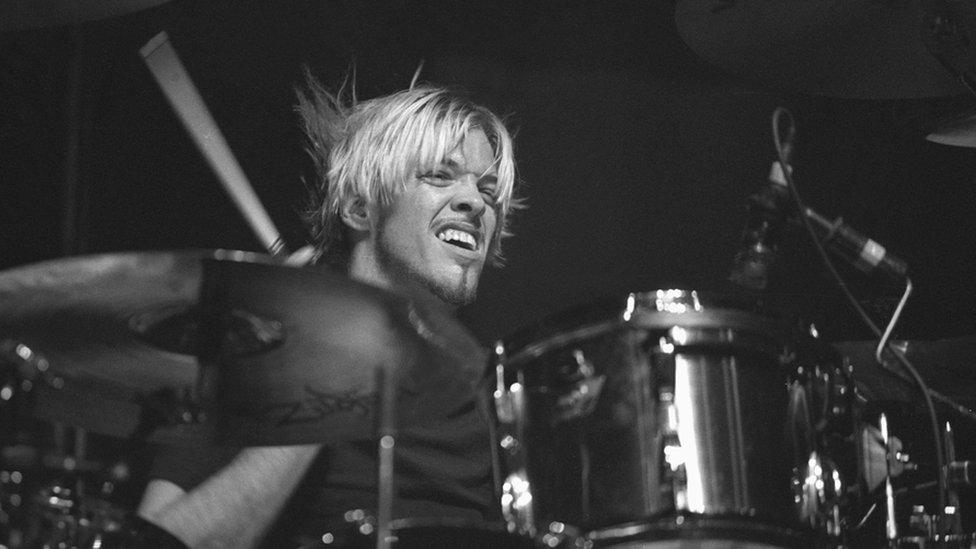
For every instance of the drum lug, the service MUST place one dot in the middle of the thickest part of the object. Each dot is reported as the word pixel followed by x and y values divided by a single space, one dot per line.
pixel 504 401
pixel 674 456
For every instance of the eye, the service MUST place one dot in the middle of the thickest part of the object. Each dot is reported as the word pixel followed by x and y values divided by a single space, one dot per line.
pixel 490 193
pixel 437 177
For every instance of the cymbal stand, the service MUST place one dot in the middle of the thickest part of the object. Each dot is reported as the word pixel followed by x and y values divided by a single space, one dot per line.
pixel 951 514
pixel 386 398
pixel 59 502
pixel 891 527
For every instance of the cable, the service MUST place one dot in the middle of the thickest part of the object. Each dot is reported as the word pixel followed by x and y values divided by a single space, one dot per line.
pixel 782 151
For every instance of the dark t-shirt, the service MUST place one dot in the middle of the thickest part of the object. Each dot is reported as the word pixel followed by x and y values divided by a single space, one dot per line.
pixel 442 470
pixel 442 464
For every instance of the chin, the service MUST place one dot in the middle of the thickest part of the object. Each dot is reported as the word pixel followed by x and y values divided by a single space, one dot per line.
pixel 457 295
pixel 454 287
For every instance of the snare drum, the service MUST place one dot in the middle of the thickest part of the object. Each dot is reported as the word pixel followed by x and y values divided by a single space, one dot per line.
pixel 658 421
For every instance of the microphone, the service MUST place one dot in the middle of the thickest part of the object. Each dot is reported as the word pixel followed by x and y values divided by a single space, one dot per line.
pixel 858 250
pixel 769 211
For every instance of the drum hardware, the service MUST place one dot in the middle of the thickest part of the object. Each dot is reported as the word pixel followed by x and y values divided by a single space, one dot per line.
pixel 120 333
pixel 891 521
pixel 929 526
pixel 869 256
pixel 365 523
pixel 358 528
pixel 877 463
pixel 819 496
pixel 670 445
pixel 962 474
pixel 63 501
pixel 516 495
pixel 22 370
pixel 929 533
pixel 564 536
pixel 951 522
pixel 674 456
pixel 385 450
pixel 824 423
pixel 947 541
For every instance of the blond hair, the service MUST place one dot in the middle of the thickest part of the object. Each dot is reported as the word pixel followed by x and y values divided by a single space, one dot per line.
pixel 371 149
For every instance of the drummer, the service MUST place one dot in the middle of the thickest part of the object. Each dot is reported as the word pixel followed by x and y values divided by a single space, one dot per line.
pixel 415 191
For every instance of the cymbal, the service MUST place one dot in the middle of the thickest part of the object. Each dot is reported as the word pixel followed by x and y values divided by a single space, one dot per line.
pixel 18 15
pixel 958 132
pixel 287 355
pixel 292 355
pixel 944 364
pixel 858 48
pixel 97 334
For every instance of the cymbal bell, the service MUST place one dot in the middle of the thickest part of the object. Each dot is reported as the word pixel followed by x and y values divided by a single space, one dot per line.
pixel 856 49
pixel 86 332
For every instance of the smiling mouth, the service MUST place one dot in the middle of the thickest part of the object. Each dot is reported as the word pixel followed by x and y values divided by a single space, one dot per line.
pixel 458 238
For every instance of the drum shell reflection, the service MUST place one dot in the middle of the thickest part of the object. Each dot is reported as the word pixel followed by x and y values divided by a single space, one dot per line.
pixel 658 408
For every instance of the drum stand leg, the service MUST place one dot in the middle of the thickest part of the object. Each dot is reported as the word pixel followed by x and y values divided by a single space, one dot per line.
pixel 951 514
pixel 891 527
pixel 387 444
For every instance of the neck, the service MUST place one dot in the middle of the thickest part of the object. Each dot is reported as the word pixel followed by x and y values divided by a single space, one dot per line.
pixel 366 270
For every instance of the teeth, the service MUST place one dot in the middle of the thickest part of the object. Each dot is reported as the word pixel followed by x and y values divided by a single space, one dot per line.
pixel 456 236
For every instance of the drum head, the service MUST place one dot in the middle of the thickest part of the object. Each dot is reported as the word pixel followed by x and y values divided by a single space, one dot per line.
pixel 707 320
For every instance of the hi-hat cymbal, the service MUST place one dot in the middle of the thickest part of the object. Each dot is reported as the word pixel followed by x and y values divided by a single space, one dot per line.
pixel 854 48
pixel 18 15
pixel 97 334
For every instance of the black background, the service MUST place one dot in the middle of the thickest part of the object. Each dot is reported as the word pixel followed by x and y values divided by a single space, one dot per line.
pixel 636 156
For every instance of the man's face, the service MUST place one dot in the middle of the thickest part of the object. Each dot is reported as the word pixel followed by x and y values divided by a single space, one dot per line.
pixel 435 234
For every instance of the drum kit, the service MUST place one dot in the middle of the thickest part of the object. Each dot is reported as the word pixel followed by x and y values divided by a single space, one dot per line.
pixel 669 418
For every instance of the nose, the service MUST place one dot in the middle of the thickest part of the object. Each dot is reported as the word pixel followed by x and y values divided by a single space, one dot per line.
pixel 467 197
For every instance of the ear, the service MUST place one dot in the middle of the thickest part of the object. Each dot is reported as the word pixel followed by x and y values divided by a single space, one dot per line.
pixel 355 213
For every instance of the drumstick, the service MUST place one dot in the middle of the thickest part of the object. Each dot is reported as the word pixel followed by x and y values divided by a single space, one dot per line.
pixel 175 82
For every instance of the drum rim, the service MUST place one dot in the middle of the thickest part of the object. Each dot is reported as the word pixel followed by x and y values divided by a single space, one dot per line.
pixel 750 313
pixel 448 522
pixel 699 526
pixel 729 320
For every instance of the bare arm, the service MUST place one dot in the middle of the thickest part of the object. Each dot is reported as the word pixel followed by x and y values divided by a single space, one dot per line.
pixel 235 506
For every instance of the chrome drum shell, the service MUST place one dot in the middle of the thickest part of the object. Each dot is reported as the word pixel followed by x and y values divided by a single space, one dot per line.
pixel 625 421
